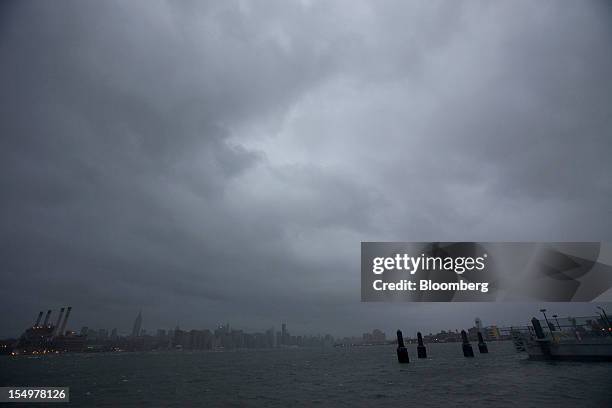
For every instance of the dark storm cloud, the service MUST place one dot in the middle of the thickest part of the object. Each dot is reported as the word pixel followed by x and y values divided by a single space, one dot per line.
pixel 221 161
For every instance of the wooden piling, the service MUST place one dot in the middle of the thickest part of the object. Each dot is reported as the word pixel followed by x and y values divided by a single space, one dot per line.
pixel 402 352
pixel 466 346
pixel 421 350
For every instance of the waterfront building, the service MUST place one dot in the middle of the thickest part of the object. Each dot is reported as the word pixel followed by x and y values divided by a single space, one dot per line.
pixel 137 325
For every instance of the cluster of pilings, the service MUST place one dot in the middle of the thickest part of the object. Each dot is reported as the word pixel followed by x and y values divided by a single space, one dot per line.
pixel 466 346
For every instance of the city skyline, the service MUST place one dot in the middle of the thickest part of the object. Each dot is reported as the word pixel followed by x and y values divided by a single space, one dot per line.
pixel 138 329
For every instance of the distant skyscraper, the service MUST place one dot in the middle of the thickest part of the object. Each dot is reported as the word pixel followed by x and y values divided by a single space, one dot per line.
pixel 137 325
pixel 478 323
pixel 102 334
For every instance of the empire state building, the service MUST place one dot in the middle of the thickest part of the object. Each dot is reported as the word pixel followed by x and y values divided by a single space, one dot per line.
pixel 137 325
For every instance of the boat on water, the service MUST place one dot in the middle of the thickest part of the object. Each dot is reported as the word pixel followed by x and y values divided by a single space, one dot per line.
pixel 565 339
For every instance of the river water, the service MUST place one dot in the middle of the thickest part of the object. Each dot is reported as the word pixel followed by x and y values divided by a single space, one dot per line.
pixel 359 376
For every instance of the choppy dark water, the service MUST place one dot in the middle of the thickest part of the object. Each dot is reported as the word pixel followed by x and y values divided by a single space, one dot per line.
pixel 364 376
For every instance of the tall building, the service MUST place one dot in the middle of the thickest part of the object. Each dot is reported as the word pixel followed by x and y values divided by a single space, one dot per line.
pixel 284 334
pixel 478 323
pixel 137 325
pixel 102 334
pixel 274 338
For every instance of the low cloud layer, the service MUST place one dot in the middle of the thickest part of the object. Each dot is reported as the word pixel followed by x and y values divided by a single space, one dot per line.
pixel 222 161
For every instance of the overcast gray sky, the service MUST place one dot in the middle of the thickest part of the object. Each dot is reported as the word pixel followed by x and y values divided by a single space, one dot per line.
pixel 221 161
